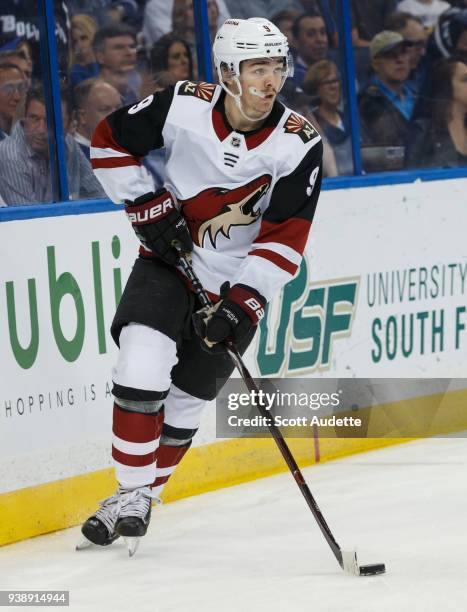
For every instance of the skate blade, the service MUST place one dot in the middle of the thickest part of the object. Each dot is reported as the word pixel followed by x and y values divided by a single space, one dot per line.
pixel 83 544
pixel 132 545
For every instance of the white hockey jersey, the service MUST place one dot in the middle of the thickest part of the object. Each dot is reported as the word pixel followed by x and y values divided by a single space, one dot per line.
pixel 248 197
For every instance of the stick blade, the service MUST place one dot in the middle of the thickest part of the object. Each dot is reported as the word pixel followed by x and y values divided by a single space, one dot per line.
pixel 351 567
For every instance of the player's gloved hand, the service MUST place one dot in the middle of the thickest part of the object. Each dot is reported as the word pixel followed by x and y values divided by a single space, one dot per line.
pixel 157 223
pixel 240 308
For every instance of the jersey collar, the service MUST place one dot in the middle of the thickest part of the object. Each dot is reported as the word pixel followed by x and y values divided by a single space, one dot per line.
pixel 254 138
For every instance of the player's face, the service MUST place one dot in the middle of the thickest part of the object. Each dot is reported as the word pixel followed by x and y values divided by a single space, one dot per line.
pixel 35 127
pixel 265 77
pixel 12 87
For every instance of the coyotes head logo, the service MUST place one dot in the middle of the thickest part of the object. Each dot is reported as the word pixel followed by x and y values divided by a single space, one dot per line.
pixel 215 210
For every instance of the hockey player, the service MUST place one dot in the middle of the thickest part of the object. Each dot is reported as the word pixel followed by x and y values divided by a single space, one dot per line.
pixel 243 176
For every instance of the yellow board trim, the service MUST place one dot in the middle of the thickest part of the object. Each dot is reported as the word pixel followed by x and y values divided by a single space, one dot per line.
pixel 58 505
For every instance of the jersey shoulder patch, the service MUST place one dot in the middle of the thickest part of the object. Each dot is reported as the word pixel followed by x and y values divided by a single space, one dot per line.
pixel 203 91
pixel 298 125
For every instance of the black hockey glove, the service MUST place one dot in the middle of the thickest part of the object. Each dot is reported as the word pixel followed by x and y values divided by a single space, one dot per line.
pixel 240 308
pixel 157 223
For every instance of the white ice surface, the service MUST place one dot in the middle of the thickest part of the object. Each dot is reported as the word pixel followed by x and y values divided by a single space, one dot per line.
pixel 256 546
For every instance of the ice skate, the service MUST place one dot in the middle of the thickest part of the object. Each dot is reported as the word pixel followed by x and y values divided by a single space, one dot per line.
pixel 99 529
pixel 134 516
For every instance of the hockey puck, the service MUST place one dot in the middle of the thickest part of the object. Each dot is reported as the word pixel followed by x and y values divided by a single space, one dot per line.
pixel 372 570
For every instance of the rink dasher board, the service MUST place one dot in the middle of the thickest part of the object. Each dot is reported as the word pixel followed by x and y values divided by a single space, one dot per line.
pixel 378 259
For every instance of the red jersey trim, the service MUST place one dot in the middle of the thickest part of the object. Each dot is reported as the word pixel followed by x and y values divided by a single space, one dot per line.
pixel 293 233
pixel 113 162
pixel 222 131
pixel 276 259
pixel 103 138
pixel 254 140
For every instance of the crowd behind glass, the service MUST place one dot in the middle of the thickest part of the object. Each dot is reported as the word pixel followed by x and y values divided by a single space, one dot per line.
pixel 410 59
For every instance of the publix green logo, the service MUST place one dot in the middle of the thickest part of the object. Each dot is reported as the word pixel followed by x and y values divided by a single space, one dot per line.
pixel 61 285
pixel 299 329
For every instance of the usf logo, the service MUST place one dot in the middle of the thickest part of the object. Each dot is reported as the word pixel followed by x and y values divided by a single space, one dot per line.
pixel 298 331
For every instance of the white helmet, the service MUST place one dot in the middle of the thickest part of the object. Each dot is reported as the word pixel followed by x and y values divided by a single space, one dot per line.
pixel 242 39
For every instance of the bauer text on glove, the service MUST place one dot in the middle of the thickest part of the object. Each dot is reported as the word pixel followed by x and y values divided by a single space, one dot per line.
pixel 157 223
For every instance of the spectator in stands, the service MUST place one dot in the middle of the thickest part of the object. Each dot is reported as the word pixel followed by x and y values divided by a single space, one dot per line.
pixel 284 21
pixel 386 106
pixel 310 41
pixel 94 99
pixel 83 60
pixel 115 50
pixel 428 11
pixel 323 83
pixel 244 9
pixel 24 52
pixel 154 81
pixel 158 17
pixel 369 17
pixel 414 33
pixel 183 23
pixel 449 37
pixel 18 58
pixel 330 10
pixel 172 55
pixel 20 26
pixel 82 183
pixel 108 12
pixel 24 160
pixel 441 139
pixel 13 86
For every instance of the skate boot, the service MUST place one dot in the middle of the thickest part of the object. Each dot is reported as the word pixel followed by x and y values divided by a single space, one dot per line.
pixel 99 528
pixel 134 515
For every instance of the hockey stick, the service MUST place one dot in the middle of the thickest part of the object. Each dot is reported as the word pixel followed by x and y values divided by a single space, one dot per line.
pixel 346 559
